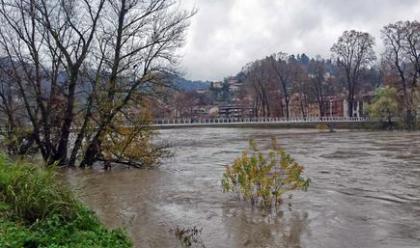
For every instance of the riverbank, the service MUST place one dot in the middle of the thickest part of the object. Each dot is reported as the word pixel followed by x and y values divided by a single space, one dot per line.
pixel 38 211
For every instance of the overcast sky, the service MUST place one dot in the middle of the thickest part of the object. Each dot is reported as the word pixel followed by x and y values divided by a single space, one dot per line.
pixel 227 34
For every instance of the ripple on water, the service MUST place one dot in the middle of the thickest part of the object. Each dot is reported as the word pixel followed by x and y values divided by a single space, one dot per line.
pixel 364 192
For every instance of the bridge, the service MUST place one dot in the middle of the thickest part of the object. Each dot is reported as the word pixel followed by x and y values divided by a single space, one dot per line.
pixel 262 122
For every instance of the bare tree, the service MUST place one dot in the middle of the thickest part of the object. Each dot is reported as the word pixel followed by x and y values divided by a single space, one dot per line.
pixel 258 78
pixel 82 67
pixel 183 104
pixel 284 76
pixel 137 39
pixel 11 112
pixel 402 55
pixel 40 39
pixel 300 85
pixel 353 51
pixel 319 84
pixel 281 84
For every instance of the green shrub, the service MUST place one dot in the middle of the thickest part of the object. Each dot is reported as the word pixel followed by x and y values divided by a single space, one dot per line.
pixel 322 127
pixel 32 193
pixel 263 178
pixel 385 106
pixel 37 211
pixel 84 231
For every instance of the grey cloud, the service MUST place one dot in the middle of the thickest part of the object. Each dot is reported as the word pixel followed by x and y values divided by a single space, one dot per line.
pixel 227 34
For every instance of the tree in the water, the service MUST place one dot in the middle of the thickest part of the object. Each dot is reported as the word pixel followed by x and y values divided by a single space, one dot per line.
pixel 263 178
pixel 385 106
pixel 79 69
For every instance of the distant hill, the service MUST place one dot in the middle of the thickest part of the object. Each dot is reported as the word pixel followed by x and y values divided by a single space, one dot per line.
pixel 183 84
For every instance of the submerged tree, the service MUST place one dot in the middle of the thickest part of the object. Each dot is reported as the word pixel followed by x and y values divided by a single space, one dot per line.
pixel 80 68
pixel 263 179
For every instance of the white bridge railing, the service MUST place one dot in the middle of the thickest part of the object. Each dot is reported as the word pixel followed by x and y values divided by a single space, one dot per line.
pixel 259 120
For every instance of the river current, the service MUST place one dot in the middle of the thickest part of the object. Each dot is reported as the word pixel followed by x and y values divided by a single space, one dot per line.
pixel 365 191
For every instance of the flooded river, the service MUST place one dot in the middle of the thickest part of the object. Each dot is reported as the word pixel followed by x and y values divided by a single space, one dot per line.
pixel 365 191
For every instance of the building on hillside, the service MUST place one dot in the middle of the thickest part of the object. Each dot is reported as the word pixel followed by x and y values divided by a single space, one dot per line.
pixel 340 108
pixel 204 112
pixel 198 112
pixel 335 106
pixel 234 87
pixel 216 85
pixel 236 111
pixel 234 84
pixel 213 111
pixel 201 91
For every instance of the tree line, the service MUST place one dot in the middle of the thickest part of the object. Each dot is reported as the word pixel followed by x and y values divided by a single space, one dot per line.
pixel 353 70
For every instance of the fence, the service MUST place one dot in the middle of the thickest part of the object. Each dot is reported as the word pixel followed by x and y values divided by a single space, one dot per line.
pixel 259 120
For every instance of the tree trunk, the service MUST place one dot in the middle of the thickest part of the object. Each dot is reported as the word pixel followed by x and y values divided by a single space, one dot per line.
pixel 91 154
pixel 321 109
pixel 410 119
pixel 61 155
pixel 287 108
pixel 350 107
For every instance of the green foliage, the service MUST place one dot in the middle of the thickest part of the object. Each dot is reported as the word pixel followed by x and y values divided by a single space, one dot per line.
pixel 37 211
pixel 10 141
pixel 385 104
pixel 264 178
pixel 32 193
pixel 131 145
pixel 84 231
pixel 322 127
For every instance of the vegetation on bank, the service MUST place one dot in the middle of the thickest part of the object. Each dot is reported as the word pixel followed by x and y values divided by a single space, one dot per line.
pixel 37 211
pixel 385 106
pixel 263 179
pixel 388 111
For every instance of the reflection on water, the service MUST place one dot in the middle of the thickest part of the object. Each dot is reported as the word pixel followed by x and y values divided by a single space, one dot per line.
pixel 365 192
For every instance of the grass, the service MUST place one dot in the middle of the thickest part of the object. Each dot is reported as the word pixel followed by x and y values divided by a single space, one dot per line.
pixel 38 211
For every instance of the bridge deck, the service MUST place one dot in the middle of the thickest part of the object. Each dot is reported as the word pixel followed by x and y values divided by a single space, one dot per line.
pixel 222 122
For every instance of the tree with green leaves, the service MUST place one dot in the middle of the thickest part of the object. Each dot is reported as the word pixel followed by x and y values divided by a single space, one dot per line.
pixel 263 178
pixel 402 58
pixel 385 105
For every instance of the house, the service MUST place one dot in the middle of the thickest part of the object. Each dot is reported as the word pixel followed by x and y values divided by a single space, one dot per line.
pixel 333 106
pixel 236 111
pixel 216 85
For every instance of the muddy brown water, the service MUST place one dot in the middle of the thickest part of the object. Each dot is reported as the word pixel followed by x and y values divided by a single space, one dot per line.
pixel 365 191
